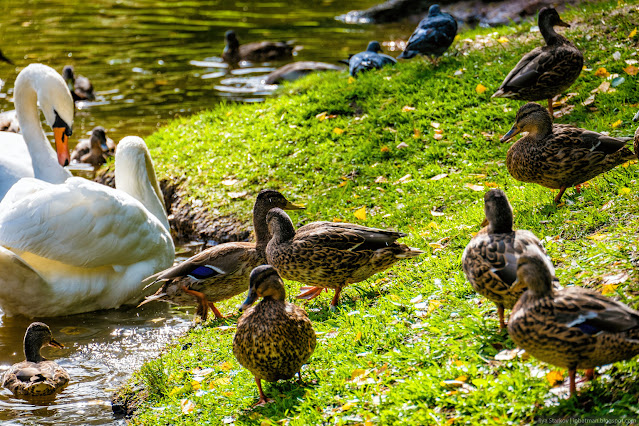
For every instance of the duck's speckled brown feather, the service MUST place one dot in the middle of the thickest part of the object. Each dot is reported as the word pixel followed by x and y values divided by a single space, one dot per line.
pixel 35 379
pixel 274 339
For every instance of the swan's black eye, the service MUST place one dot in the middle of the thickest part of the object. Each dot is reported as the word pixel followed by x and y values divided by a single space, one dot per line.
pixel 59 122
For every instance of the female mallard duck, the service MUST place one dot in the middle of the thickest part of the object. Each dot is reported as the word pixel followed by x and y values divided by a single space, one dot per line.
pixel 275 338
pixel 222 271
pixel 559 156
pixel 36 376
pixel 93 153
pixel 369 59
pixel 331 255
pixel 544 71
pixel 573 328
pixel 490 258
pixel 433 36
pixel 83 147
pixel 262 51
pixel 80 87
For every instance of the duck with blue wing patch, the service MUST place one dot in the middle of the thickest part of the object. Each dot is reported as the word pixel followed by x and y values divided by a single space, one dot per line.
pixel 222 271
pixel 573 328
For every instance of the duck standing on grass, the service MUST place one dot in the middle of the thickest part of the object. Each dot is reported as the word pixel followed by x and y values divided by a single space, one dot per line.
pixel 544 71
pixel 222 271
pixel 275 338
pixel 433 36
pixel 369 59
pixel 559 156
pixel 490 258
pixel 36 377
pixel 331 255
pixel 261 51
pixel 573 328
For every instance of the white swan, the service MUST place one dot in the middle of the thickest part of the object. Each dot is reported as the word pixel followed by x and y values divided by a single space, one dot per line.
pixel 81 246
pixel 30 154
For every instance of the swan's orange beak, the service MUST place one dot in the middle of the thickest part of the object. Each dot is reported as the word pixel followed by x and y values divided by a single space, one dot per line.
pixel 61 145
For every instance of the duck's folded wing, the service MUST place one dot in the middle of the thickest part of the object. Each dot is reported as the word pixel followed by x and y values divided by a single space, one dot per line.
pixel 594 141
pixel 528 69
pixel 217 261
pixel 592 313
pixel 345 236
pixel 80 223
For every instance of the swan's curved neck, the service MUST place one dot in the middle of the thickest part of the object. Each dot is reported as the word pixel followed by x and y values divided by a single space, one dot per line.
pixel 137 178
pixel 43 157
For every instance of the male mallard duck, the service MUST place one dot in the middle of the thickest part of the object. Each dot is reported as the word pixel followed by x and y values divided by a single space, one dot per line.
pixel 490 258
pixel 296 70
pixel 544 71
pixel 222 271
pixel 434 34
pixel 36 376
pixel 80 86
pixel 331 255
pixel 559 156
pixel 369 59
pixel 275 338
pixel 5 59
pixel 261 51
pixel 573 328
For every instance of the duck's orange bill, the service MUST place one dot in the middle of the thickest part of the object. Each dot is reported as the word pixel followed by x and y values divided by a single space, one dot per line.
pixel 61 145
pixel 56 344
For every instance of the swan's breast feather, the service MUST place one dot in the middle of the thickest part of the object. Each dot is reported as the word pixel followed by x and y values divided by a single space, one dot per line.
pixel 79 223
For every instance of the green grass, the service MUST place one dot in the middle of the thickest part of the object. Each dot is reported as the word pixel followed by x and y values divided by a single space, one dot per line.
pixel 384 357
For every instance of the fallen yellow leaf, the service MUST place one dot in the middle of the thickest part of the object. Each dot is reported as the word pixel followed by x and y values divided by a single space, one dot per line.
pixel 632 33
pixel 462 378
pixel 606 289
pixel 474 187
pixel 348 406
pixel 351 80
pixel 358 336
pixel 338 131
pixel 624 191
pixel 602 72
pixel 195 385
pixel 616 123
pixel 407 108
pixel 631 70
pixel 228 114
pixel 384 149
pixel 432 305
pixel 343 183
pixel 554 377
pixel 360 213
pixel 502 40
pixel 480 89
pixel 187 406
pixel 225 366
pixel 321 116
pixel 432 225
pixel 417 133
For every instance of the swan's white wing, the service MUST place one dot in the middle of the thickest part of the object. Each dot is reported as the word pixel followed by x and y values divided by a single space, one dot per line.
pixel 79 223
pixel 15 161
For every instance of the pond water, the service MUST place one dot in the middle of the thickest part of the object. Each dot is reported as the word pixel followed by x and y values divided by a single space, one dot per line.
pixel 149 61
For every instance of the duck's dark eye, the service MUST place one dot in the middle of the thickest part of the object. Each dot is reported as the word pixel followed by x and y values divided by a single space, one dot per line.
pixel 59 122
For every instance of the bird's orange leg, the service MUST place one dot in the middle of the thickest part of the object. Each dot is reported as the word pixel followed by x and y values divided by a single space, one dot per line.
pixel 216 312
pixel 202 303
pixel 550 108
pixel 573 386
pixel 335 300
pixel 309 293
pixel 500 313
pixel 561 193
pixel 263 398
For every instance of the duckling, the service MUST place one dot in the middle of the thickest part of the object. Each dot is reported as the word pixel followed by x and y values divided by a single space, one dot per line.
pixel 490 258
pixel 36 377
pixel 274 338
pixel 369 59
pixel 221 271
pixel 80 87
pixel 544 71
pixel 573 328
pixel 296 70
pixel 262 51
pixel 559 156
pixel 5 59
pixel 433 36
pixel 330 255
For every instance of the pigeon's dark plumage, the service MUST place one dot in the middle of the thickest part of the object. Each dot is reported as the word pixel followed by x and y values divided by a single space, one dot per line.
pixel 369 59
pixel 434 34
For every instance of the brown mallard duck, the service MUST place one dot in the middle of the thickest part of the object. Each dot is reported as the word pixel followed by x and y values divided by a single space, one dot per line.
pixel 262 51
pixel 36 377
pixel 544 71
pixel 573 328
pixel 490 258
pixel 274 338
pixel 331 255
pixel 80 87
pixel 91 152
pixel 222 271
pixel 559 156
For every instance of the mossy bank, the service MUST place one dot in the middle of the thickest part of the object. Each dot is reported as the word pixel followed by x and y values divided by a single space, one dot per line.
pixel 414 147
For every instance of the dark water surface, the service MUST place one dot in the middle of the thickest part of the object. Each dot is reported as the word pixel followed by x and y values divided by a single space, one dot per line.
pixel 149 61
